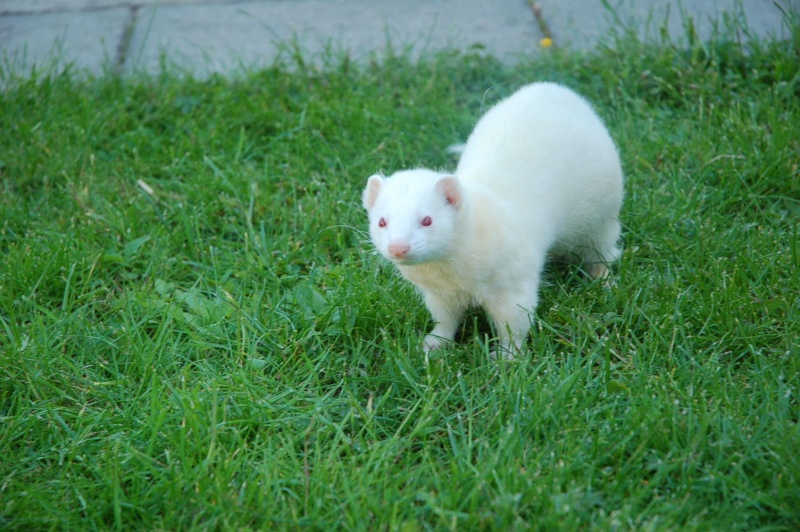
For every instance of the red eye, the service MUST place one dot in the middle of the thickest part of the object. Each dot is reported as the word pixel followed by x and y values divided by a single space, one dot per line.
pixel 382 222
pixel 426 221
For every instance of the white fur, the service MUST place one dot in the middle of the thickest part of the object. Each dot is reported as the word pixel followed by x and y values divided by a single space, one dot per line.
pixel 539 174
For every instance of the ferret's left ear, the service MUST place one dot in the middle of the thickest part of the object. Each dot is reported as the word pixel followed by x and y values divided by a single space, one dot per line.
pixel 371 191
pixel 450 188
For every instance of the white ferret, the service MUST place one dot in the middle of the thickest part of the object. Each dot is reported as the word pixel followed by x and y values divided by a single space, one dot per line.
pixel 538 175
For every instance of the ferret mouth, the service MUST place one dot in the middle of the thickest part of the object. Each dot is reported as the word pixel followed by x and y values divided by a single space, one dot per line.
pixel 407 261
pixel 401 260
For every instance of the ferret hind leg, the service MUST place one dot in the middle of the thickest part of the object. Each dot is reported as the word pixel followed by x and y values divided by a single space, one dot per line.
pixel 603 251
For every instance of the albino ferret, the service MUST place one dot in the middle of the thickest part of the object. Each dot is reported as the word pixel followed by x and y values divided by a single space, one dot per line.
pixel 538 175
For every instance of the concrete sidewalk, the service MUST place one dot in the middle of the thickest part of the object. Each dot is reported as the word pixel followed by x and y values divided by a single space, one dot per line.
pixel 222 35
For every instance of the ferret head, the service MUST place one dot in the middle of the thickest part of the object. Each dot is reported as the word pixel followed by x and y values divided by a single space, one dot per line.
pixel 413 215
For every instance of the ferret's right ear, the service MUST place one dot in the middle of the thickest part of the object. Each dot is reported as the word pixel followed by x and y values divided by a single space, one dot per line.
pixel 371 191
pixel 451 189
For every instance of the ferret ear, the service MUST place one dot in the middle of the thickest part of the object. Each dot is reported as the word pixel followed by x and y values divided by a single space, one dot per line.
pixel 450 188
pixel 371 191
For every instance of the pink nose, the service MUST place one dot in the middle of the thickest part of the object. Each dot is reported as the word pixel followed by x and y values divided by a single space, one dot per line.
pixel 399 249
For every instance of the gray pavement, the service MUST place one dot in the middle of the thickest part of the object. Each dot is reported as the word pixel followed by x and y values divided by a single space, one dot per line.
pixel 207 36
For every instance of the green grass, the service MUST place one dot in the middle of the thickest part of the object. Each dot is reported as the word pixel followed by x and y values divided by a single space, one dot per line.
pixel 195 332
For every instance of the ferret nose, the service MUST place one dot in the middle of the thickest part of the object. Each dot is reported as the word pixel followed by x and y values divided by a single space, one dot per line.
pixel 399 249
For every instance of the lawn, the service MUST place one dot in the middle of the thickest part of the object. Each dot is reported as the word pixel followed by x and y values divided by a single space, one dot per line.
pixel 196 333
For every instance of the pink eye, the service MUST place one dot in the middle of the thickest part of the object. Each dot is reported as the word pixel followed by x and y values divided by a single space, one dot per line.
pixel 426 221
pixel 382 222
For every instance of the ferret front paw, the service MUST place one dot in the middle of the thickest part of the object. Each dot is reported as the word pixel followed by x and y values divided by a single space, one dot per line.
pixel 432 343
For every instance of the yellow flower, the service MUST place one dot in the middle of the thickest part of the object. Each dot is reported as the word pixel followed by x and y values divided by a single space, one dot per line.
pixel 547 42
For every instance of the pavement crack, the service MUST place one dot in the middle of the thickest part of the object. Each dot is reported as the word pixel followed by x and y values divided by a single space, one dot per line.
pixel 541 22
pixel 123 47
